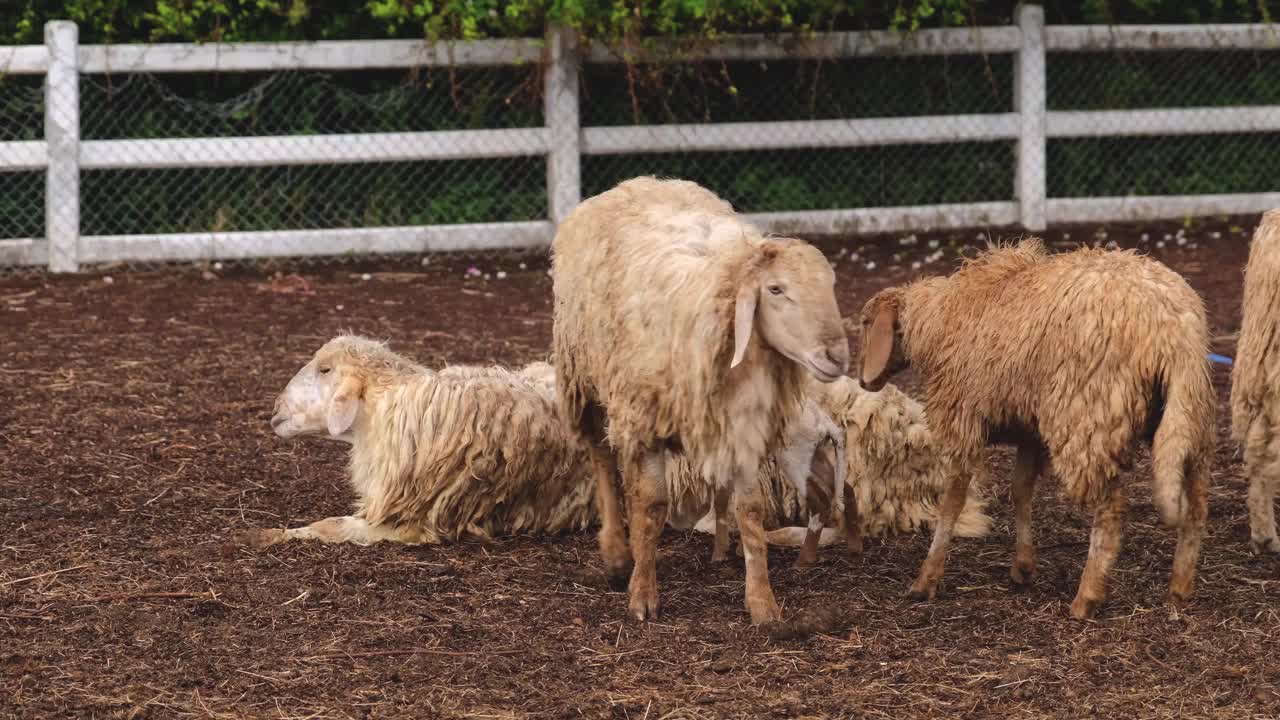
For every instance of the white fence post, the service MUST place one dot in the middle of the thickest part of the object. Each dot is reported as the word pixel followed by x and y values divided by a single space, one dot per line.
pixel 560 107
pixel 62 140
pixel 1029 102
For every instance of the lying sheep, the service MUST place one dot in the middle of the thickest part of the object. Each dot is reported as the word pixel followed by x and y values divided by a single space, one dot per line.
pixel 302 407
pixel 1070 358
pixel 895 475
pixel 1255 402
pixel 475 451
pixel 678 326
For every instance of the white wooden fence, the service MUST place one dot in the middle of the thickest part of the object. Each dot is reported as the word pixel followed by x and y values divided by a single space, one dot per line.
pixel 563 141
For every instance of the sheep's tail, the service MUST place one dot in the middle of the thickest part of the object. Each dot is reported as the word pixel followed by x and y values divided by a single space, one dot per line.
pixel 1183 445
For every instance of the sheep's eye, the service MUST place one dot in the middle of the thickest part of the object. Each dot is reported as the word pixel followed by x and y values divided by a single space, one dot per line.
pixel 325 370
pixel 775 289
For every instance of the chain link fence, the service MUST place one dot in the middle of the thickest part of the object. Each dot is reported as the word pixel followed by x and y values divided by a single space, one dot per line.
pixel 1186 164
pixel 21 191
pixel 213 194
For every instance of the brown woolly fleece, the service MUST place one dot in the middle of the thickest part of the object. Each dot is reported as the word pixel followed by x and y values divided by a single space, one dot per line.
pixel 1255 381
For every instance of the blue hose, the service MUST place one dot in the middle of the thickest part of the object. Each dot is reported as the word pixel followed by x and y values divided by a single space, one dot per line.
pixel 1220 359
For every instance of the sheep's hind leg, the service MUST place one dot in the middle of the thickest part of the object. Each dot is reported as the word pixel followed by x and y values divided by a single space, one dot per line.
pixel 1262 467
pixel 647 487
pixel 750 507
pixel 722 497
pixel 1027 470
pixel 613 544
pixel 926 584
pixel 341 529
pixel 1104 546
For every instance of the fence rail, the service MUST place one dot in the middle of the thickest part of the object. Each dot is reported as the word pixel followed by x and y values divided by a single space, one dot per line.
pixel 563 141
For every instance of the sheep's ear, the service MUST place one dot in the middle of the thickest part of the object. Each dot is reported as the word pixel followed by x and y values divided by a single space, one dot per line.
pixel 343 407
pixel 744 314
pixel 879 345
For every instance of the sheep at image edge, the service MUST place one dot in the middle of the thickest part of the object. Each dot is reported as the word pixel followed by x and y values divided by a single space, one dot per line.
pixel 1071 358
pixel 1255 379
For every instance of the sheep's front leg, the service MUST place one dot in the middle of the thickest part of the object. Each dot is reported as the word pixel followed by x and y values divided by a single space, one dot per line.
pixel 926 584
pixel 1027 469
pixel 852 523
pixel 1262 467
pixel 645 478
pixel 722 497
pixel 613 544
pixel 343 529
pixel 1104 546
pixel 750 506
pixel 813 533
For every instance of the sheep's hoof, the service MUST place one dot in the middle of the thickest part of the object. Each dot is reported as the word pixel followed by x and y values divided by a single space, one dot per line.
pixel 764 610
pixel 922 592
pixel 1268 546
pixel 720 554
pixel 1021 577
pixel 258 538
pixel 644 605
pixel 803 563
pixel 617 578
pixel 1084 608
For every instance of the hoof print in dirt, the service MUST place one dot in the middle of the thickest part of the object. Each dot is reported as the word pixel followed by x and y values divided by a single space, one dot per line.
pixel 725 662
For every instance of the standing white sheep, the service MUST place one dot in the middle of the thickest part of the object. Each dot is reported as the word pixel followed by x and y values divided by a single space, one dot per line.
pixel 678 326
pixel 1255 382
pixel 1072 358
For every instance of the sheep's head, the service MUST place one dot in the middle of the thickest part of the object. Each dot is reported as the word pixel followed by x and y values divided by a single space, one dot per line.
pixel 324 396
pixel 881 341
pixel 788 297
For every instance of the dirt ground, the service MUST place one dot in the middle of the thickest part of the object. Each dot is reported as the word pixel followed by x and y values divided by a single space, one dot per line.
pixel 134 441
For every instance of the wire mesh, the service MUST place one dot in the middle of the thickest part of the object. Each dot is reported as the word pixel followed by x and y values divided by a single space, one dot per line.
pixel 371 181
pixel 1190 164
pixel 810 179
pixel 372 185
pixel 21 191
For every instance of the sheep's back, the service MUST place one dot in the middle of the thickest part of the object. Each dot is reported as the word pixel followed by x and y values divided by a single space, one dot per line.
pixel 1075 345
pixel 643 305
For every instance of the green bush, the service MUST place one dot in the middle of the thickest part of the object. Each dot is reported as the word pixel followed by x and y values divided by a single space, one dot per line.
pixel 607 20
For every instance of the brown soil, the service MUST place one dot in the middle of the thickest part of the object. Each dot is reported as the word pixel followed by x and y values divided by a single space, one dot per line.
pixel 134 442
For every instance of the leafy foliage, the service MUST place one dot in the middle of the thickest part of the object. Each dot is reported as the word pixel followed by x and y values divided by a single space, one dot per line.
pixel 603 20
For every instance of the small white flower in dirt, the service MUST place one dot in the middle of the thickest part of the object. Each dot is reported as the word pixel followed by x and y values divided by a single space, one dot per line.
pixel 1193 246
pixel 107 279
pixel 1215 235
pixel 1111 245
pixel 486 276
pixel 523 266
pixel 871 265
pixel 426 261
pixel 217 266
pixel 337 307
pixel 366 276
pixel 1182 240
pixel 980 237
pixel 1145 237
pixel 915 265
pixel 1066 236
pixel 1159 244
pixel 1167 237
pixel 502 275
pixel 897 257
pixel 473 271
pixel 853 257
pixel 933 244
